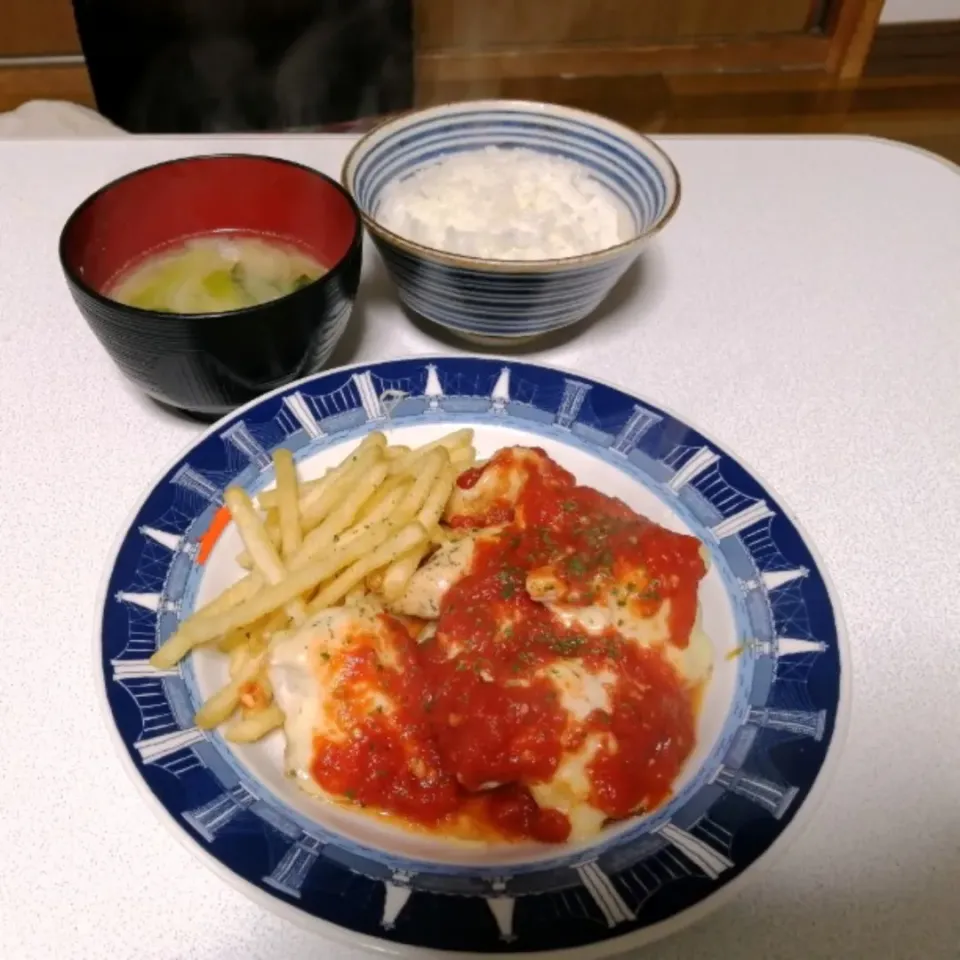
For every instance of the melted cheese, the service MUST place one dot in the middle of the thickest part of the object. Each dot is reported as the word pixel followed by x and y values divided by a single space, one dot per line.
pixel 695 662
pixel 307 667
pixel 580 691
pixel 596 619
pixel 569 789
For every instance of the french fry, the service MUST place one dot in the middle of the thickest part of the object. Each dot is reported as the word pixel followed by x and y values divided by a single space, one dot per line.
pixel 450 442
pixel 271 524
pixel 177 646
pixel 314 513
pixel 271 521
pixel 288 503
pixel 254 535
pixel 273 624
pixel 427 471
pixel 436 501
pixel 256 726
pixel 397 575
pixel 440 536
pixel 265 558
pixel 233 595
pixel 232 640
pixel 355 596
pixel 267 499
pixel 239 657
pixel 222 704
pixel 463 458
pixel 174 649
pixel 412 501
pixel 323 536
pixel 322 499
pixel 375 509
pixel 382 493
pixel 406 539
pixel 387 509
pixel 272 597
pixel 395 578
pixel 255 635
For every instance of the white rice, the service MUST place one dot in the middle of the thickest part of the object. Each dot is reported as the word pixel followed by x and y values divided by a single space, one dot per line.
pixel 505 204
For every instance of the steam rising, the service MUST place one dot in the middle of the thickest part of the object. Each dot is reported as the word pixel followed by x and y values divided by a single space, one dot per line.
pixel 272 65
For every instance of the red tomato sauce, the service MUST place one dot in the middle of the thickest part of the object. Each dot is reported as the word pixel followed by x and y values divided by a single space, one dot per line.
pixel 478 718
pixel 389 759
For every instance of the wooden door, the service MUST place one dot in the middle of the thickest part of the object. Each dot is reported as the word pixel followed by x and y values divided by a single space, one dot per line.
pixel 466 41
pixel 37 28
pixel 40 54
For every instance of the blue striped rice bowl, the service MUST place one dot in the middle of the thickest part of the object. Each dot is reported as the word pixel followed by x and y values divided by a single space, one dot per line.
pixel 498 301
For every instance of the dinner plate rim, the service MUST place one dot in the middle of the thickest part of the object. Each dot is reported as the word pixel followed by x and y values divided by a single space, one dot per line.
pixel 602 948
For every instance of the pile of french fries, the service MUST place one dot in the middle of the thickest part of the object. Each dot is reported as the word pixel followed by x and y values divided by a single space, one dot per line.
pixel 362 528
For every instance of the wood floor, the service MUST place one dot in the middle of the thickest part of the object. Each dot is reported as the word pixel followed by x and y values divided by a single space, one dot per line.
pixel 922 111
pixel 910 91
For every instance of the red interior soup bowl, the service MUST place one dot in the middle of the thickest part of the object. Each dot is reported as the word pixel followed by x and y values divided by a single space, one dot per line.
pixel 209 362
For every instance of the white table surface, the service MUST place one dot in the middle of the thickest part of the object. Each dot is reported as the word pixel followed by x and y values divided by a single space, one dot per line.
pixel 804 308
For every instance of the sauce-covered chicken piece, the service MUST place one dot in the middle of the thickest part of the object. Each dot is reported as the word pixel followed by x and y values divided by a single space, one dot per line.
pixel 356 724
pixel 429 585
pixel 553 687
pixel 489 494
pixel 605 567
pixel 560 652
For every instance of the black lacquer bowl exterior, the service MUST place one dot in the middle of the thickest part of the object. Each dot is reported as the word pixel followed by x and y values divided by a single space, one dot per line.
pixel 208 364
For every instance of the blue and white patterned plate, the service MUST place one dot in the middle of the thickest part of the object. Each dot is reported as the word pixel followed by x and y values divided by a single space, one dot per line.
pixel 770 727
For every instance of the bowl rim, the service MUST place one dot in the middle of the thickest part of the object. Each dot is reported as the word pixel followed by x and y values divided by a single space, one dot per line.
pixel 488 264
pixel 74 278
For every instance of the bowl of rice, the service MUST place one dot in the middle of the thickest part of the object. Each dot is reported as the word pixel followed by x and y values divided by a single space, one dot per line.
pixel 504 220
